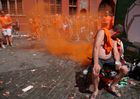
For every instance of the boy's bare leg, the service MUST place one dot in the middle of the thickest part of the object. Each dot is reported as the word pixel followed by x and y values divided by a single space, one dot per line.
pixel 123 71
pixel 95 85
pixel 7 41
pixel 10 40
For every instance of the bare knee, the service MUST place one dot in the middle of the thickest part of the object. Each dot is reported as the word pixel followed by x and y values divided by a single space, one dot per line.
pixel 124 70
pixel 95 74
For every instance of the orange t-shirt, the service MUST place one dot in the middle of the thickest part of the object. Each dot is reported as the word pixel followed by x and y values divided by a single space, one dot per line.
pixel 6 22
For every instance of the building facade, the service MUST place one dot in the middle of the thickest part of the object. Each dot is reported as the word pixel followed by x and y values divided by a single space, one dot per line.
pixel 19 9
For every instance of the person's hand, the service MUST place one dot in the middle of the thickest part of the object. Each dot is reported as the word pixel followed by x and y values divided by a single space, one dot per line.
pixel 118 67
pixel 96 69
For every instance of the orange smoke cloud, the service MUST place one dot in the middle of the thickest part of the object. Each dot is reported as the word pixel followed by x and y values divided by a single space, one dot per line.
pixel 75 51
pixel 66 36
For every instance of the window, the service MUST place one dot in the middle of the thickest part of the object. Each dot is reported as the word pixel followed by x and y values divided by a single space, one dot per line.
pixel 19 7
pixel 72 2
pixel 14 7
pixel 4 6
pixel 58 1
pixel 72 7
pixel 54 6
pixel 72 10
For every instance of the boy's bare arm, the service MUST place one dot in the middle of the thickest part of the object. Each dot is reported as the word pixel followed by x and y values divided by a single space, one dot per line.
pixel 97 45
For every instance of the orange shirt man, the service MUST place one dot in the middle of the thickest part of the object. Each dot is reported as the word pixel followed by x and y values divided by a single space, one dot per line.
pixel 6 21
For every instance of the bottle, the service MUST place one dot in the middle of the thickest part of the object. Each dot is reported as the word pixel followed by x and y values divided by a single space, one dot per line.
pixel 85 71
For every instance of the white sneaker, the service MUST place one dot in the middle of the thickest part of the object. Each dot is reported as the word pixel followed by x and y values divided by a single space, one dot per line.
pixel 3 46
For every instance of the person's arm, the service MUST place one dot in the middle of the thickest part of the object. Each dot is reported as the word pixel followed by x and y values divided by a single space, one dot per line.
pixel 116 55
pixel 98 40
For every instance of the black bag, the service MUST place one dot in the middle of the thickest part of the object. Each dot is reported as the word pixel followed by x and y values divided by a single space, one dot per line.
pixel 135 73
pixel 83 81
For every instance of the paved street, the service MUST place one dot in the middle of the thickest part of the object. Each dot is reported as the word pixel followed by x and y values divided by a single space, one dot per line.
pixel 27 71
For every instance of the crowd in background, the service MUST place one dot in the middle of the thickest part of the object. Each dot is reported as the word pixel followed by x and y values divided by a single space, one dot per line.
pixel 77 27
pixel 82 27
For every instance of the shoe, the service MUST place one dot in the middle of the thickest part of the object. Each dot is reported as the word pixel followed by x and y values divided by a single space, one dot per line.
pixel 93 96
pixel 3 46
pixel 115 93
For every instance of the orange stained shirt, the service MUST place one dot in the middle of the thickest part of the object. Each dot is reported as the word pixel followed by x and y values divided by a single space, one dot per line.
pixel 6 22
pixel 108 45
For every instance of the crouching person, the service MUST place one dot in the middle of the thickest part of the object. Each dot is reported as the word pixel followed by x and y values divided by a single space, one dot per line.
pixel 105 50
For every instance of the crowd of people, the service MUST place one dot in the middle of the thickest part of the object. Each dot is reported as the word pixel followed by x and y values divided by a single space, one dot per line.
pixel 76 27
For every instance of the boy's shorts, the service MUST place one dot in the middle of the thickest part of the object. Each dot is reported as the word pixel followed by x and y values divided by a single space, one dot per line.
pixel 7 32
pixel 109 61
